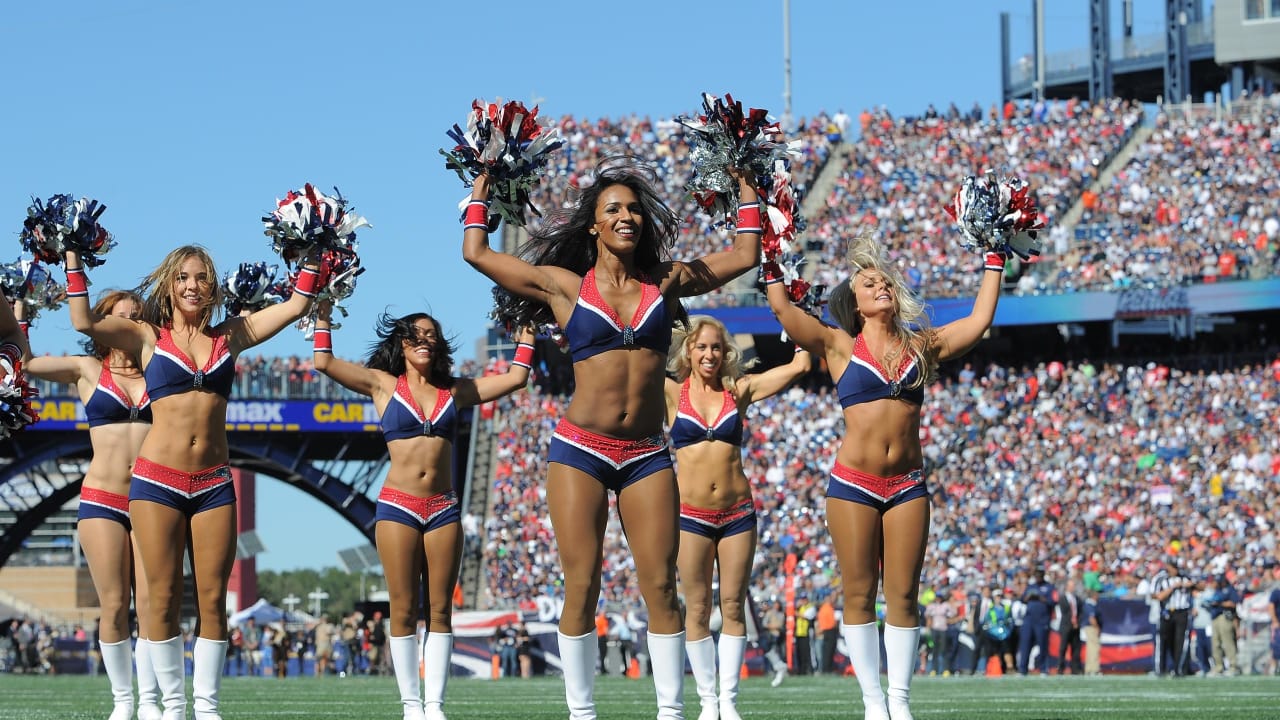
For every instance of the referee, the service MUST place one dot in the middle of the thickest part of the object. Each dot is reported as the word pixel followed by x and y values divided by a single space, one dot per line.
pixel 1173 591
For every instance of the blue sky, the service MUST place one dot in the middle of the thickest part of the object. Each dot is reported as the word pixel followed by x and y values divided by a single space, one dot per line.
pixel 189 119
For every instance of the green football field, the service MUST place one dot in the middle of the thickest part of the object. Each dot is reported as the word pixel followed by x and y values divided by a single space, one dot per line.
pixel 1034 698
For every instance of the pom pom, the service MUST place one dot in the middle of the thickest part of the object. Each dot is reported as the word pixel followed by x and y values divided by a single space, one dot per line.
pixel 252 286
pixel 307 220
pixel 725 137
pixel 556 333
pixel 786 270
pixel 511 144
pixel 60 224
pixel 29 281
pixel 15 394
pixel 997 215
pixel 339 268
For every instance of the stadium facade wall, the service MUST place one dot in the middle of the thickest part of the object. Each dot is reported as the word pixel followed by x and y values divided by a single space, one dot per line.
pixel 1237 39
pixel 1016 310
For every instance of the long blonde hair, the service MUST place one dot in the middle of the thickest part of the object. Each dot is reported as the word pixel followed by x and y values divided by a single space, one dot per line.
pixel 910 323
pixel 157 288
pixel 682 338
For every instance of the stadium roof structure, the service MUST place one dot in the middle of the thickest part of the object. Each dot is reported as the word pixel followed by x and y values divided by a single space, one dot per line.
pixel 1195 54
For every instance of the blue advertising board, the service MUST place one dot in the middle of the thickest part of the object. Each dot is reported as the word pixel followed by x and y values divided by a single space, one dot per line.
pixel 67 413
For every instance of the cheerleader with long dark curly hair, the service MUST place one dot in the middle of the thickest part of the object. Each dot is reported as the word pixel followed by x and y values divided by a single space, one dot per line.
pixel 600 271
pixel 408 374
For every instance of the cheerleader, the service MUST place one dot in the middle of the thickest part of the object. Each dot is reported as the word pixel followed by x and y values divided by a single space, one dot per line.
pixel 418 532
pixel 181 491
pixel 705 406
pixel 599 271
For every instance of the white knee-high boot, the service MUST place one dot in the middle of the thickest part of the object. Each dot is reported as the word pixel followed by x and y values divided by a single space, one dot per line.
pixel 702 660
pixel 578 660
pixel 667 655
pixel 170 668
pixel 209 657
pixel 148 691
pixel 117 658
pixel 404 660
pixel 733 649
pixel 900 664
pixel 862 643
pixel 437 654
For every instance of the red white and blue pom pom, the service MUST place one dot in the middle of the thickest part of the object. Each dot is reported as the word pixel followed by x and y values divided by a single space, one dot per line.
pixel 510 143
pixel 15 397
pixel 307 220
pixel 341 268
pixel 31 282
pixel 997 215
pixel 13 281
pixel 61 223
pixel 725 137
pixel 782 222
pixel 252 286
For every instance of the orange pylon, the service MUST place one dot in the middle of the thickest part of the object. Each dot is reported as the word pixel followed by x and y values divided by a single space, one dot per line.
pixel 993 667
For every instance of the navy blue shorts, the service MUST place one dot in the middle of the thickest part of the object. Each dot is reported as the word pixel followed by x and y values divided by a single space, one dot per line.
pixel 719 524
pixel 189 493
pixel 421 513
pixel 95 503
pixel 614 462
pixel 846 483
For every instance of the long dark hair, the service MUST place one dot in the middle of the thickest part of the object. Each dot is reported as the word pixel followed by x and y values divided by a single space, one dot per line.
pixel 388 356
pixel 563 239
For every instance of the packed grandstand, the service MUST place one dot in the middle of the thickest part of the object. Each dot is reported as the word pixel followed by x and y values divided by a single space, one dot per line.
pixel 1093 458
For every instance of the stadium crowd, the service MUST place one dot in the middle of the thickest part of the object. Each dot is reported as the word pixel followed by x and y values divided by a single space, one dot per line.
pixel 1198 202
pixel 662 144
pixel 1087 470
pixel 902 171
pixel 1188 216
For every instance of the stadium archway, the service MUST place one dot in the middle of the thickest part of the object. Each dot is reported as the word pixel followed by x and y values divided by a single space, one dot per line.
pixel 44 471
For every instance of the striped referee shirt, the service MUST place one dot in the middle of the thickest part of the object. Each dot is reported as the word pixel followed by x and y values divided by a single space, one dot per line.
pixel 1179 599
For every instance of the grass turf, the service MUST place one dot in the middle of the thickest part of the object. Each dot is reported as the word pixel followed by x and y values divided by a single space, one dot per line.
pixel 810 698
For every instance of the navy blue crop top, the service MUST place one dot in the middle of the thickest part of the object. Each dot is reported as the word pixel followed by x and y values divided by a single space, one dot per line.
pixel 171 372
pixel 403 418
pixel 109 404
pixel 690 428
pixel 864 380
pixel 594 327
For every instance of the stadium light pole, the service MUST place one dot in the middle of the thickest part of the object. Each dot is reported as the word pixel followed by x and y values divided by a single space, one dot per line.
pixel 318 597
pixel 786 64
pixel 1037 8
